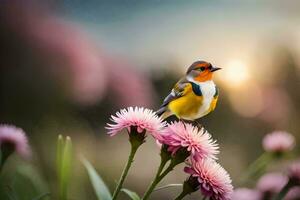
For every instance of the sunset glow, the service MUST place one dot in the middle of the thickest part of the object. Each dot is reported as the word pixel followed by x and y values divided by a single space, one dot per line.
pixel 236 73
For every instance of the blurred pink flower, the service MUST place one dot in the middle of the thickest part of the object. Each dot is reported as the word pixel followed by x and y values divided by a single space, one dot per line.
pixel 16 137
pixel 294 172
pixel 197 141
pixel 130 85
pixel 142 118
pixel 278 141
pixel 74 58
pixel 293 194
pixel 276 105
pixel 246 194
pixel 214 181
pixel 271 183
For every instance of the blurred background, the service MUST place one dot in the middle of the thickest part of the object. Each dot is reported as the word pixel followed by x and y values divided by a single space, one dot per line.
pixel 67 65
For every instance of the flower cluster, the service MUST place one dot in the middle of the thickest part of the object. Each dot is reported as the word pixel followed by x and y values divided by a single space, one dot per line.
pixel 268 186
pixel 212 179
pixel 274 185
pixel 184 142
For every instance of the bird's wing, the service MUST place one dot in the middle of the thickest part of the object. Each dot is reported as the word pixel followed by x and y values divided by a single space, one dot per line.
pixel 215 99
pixel 177 92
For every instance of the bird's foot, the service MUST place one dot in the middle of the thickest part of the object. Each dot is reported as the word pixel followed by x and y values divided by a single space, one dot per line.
pixel 192 122
pixel 196 123
pixel 185 121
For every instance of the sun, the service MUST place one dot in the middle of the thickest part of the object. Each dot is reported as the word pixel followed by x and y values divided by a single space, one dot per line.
pixel 236 73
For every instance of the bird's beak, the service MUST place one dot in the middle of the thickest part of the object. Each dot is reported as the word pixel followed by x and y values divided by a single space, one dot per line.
pixel 213 69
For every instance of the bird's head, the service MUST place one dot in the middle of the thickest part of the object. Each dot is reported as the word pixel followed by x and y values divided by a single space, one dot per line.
pixel 201 71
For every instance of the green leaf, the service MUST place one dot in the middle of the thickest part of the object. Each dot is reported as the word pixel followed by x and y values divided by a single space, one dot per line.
pixel 66 167
pixel 63 164
pixel 33 178
pixel 168 186
pixel 59 154
pixel 131 194
pixel 27 182
pixel 11 197
pixel 9 193
pixel 98 184
pixel 59 161
pixel 41 196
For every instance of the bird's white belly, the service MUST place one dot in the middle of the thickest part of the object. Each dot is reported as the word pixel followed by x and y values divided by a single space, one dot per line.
pixel 208 90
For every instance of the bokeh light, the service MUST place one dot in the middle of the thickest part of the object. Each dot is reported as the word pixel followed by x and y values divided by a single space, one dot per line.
pixel 247 102
pixel 236 73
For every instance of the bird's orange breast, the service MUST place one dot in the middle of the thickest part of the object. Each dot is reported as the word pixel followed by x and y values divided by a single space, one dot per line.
pixel 204 76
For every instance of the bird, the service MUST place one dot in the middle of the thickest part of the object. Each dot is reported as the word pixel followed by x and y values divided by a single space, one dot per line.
pixel 194 95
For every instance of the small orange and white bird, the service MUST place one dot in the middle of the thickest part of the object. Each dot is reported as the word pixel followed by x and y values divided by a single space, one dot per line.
pixel 193 96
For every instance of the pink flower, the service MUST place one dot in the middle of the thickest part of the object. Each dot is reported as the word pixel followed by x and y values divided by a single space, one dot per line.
pixel 142 118
pixel 11 135
pixel 197 141
pixel 214 181
pixel 278 141
pixel 72 58
pixel 246 194
pixel 138 89
pixel 271 183
pixel 293 194
pixel 294 172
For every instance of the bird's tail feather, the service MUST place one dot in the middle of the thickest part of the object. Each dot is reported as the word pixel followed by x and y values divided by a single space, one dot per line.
pixel 163 112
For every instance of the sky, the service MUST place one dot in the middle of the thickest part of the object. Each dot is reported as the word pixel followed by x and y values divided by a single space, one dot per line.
pixel 159 31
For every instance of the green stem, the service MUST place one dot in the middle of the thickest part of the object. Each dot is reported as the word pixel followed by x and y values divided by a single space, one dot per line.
pixel 156 179
pixel 165 173
pixel 125 172
pixel 180 156
pixel 284 190
pixel 258 166
pixel 189 186
pixel 181 196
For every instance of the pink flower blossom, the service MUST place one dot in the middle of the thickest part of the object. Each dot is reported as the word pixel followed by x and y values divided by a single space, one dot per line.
pixel 278 141
pixel 12 135
pixel 271 183
pixel 293 194
pixel 246 194
pixel 142 118
pixel 214 181
pixel 197 141
pixel 294 172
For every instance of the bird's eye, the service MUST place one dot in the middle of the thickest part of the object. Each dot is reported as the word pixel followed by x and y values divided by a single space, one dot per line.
pixel 202 68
